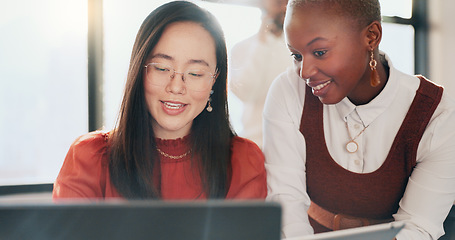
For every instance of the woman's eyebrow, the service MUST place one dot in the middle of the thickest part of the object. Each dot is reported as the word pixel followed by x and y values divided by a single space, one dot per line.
pixel 161 55
pixel 315 40
pixel 191 61
pixel 198 61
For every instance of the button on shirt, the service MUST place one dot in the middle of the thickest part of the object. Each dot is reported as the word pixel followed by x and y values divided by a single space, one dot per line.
pixel 430 192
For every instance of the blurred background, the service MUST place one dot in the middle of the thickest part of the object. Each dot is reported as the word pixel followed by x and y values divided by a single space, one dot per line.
pixel 63 65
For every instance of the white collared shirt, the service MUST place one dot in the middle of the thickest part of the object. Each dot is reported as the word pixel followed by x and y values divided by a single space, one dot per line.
pixel 430 192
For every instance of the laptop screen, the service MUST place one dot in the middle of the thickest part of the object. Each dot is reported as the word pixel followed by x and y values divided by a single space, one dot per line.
pixel 132 220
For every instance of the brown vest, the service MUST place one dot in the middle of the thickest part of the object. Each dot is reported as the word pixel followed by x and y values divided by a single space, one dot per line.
pixel 372 195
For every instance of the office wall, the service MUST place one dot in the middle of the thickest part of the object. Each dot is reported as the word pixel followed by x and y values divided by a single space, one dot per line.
pixel 442 43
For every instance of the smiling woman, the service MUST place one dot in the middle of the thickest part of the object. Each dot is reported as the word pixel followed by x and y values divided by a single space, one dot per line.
pixel 119 35
pixel 173 138
pixel 351 140
pixel 184 95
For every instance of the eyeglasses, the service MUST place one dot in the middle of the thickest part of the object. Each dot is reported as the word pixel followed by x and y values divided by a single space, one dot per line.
pixel 195 79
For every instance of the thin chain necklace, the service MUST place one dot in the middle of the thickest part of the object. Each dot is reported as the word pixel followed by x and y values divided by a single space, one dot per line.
pixel 172 156
pixel 352 145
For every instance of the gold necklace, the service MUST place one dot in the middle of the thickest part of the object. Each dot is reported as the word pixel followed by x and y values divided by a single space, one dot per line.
pixel 352 145
pixel 172 156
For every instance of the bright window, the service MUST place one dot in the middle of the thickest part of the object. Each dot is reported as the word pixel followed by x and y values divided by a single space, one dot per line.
pixel 43 93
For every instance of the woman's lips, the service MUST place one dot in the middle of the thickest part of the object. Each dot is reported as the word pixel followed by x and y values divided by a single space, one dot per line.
pixel 322 85
pixel 173 108
pixel 172 105
pixel 319 88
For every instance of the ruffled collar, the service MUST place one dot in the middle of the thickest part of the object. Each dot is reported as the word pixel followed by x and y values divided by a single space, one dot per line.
pixel 174 149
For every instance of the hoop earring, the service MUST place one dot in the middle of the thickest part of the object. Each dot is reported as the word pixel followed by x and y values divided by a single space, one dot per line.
pixel 374 77
pixel 209 107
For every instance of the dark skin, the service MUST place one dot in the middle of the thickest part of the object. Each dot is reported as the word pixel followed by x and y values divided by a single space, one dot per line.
pixel 332 53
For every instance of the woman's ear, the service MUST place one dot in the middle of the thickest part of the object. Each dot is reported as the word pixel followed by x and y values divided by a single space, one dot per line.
pixel 373 34
pixel 217 73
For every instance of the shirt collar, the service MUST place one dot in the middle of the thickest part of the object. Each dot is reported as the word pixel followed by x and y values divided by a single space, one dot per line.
pixel 370 111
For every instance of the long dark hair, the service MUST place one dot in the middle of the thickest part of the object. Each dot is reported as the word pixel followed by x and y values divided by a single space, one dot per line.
pixel 134 160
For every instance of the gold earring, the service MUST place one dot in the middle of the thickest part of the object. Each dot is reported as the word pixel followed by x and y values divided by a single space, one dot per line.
pixel 374 77
pixel 209 107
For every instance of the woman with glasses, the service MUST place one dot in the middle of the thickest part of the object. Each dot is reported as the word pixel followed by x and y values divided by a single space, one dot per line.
pixel 173 139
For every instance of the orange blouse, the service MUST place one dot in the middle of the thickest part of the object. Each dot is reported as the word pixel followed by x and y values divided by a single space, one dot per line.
pixel 85 172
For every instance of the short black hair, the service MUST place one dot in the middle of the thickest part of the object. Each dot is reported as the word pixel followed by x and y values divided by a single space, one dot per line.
pixel 361 12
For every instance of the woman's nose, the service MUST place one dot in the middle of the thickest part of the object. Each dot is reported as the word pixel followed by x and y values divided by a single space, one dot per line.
pixel 307 69
pixel 177 83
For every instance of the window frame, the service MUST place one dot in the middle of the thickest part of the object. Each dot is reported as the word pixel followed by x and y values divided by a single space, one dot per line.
pixel 419 21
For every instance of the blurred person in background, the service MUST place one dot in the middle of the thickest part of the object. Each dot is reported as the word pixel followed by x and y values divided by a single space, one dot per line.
pixel 255 62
